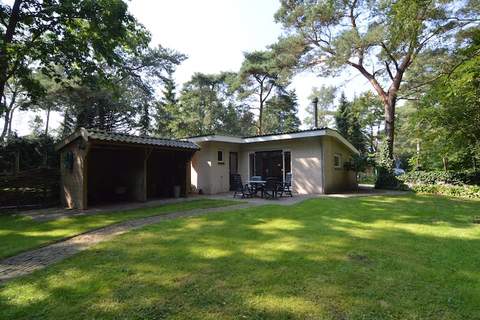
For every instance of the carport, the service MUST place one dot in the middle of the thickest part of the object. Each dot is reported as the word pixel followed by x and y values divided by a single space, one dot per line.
pixel 100 167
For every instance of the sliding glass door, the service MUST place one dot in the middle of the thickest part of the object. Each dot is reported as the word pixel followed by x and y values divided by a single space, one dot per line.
pixel 270 164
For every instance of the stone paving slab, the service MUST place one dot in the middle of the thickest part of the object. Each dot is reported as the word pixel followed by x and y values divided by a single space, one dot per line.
pixel 29 261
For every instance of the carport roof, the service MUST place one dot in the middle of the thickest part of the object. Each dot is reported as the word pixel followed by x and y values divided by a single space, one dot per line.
pixel 100 135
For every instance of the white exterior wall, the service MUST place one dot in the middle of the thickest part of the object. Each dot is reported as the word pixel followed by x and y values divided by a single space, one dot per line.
pixel 206 173
pixel 312 164
pixel 306 155
pixel 337 179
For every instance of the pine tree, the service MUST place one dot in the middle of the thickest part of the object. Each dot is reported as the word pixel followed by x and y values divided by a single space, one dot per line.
pixel 342 116
pixel 166 108
pixel 281 112
pixel 348 124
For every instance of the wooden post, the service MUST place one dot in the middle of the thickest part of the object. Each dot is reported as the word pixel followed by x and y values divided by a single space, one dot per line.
pixel 148 152
pixel 85 178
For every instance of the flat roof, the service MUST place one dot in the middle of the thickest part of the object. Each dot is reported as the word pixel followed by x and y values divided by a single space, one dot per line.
pixel 299 134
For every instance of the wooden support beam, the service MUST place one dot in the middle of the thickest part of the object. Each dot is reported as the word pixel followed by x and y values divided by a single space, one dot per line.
pixel 85 177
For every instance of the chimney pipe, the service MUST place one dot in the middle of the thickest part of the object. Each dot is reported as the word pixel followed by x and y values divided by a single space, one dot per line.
pixel 315 111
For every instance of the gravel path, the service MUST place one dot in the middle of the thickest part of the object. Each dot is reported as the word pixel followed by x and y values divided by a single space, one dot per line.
pixel 29 261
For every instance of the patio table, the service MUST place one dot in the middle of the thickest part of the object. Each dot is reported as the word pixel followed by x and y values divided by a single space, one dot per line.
pixel 257 185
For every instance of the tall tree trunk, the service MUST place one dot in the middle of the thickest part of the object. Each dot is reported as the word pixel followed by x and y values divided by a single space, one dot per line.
pixel 10 121
pixel 389 106
pixel 7 39
pixel 445 163
pixel 48 120
pixel 260 110
pixel 260 118
pixel 6 123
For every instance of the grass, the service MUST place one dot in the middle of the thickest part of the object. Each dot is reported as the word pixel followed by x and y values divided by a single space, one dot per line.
pixel 21 233
pixel 404 257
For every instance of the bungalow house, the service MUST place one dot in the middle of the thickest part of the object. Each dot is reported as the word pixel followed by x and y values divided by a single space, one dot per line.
pixel 317 160
pixel 98 166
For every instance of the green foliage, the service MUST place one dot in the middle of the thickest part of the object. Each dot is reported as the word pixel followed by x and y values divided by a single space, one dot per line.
pixel 441 130
pixel 326 106
pixel 260 74
pixel 380 40
pixel 348 125
pixel 382 257
pixel 385 176
pixel 95 53
pixel 166 109
pixel 208 104
pixel 32 151
pixel 281 113
pixel 27 234
pixel 442 177
pixel 359 163
pixel 369 111
pixel 461 191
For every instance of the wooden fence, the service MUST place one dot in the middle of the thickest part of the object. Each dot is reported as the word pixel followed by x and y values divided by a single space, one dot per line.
pixel 34 188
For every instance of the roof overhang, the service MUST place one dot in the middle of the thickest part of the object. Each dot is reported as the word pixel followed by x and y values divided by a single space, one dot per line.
pixel 276 137
pixel 99 137
pixel 216 138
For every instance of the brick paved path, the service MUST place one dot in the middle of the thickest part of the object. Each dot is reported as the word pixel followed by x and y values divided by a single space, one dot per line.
pixel 30 261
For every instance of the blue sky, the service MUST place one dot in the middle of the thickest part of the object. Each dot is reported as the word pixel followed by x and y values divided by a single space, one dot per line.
pixel 214 34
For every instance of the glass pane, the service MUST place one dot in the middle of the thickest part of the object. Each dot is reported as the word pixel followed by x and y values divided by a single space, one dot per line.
pixel 252 164
pixel 288 162
pixel 269 164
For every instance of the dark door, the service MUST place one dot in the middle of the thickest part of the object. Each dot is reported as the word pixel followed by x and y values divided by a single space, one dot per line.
pixel 233 165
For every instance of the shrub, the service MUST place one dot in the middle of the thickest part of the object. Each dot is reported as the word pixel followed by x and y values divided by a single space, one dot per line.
pixel 385 177
pixel 445 177
pixel 463 191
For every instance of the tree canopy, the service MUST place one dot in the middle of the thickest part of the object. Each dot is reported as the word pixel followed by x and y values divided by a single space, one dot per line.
pixel 380 40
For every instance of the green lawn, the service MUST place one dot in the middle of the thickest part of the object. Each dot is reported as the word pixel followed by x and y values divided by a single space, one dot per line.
pixel 404 257
pixel 19 233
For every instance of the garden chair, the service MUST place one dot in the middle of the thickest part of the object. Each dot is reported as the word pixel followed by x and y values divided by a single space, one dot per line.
pixel 272 188
pixel 286 187
pixel 239 188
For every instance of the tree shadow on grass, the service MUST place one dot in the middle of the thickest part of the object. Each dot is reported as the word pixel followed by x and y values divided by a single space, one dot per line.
pixel 308 261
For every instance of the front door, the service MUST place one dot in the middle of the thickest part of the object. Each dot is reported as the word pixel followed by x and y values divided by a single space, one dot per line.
pixel 233 165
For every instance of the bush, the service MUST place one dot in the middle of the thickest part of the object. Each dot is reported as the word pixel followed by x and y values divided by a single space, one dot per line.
pixel 385 176
pixel 464 191
pixel 442 177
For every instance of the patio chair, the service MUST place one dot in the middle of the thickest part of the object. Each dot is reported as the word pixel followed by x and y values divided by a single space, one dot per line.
pixel 239 188
pixel 256 187
pixel 286 187
pixel 271 188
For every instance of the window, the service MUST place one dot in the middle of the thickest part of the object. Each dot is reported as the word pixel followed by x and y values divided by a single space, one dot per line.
pixel 251 159
pixel 287 166
pixel 337 161
pixel 220 156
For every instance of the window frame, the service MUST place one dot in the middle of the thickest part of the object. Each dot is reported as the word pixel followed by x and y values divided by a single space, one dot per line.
pixel 339 156
pixel 222 153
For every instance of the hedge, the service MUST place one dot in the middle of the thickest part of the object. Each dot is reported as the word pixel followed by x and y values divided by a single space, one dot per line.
pixel 441 177
pixel 463 191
